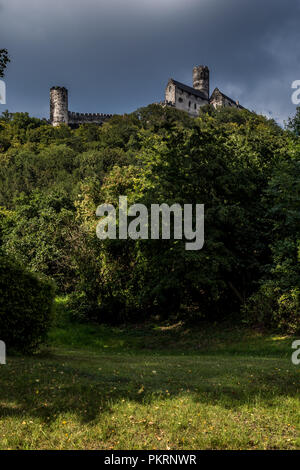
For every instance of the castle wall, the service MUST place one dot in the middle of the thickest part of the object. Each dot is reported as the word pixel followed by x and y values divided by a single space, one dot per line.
pixel 170 93
pixel 219 100
pixel 188 102
pixel 183 100
pixel 75 119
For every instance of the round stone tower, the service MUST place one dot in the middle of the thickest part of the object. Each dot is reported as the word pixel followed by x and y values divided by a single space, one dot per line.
pixel 59 106
pixel 201 79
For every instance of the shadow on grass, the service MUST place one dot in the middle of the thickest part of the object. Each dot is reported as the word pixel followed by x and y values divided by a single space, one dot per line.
pixel 89 385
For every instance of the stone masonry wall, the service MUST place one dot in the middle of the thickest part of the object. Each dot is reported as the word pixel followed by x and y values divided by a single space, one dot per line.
pixel 188 102
pixel 58 105
pixel 85 118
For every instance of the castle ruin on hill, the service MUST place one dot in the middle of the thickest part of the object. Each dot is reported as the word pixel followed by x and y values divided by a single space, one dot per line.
pixel 177 95
pixel 60 114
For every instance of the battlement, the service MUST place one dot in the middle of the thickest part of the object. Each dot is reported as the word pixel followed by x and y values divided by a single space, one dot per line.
pixel 89 116
pixel 59 113
pixel 58 88
pixel 83 118
pixel 95 115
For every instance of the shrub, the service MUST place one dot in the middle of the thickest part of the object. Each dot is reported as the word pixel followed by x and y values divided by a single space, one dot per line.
pixel 26 306
pixel 81 308
pixel 270 307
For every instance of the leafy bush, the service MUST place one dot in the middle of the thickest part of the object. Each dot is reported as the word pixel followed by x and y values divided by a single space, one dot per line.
pixel 270 307
pixel 277 301
pixel 26 306
pixel 37 232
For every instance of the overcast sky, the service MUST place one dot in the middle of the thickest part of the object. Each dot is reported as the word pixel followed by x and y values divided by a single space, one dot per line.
pixel 117 55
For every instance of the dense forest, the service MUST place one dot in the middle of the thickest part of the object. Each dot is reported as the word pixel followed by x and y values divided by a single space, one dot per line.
pixel 242 166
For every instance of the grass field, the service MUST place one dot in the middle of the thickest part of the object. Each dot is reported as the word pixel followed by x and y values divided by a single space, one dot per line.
pixel 152 387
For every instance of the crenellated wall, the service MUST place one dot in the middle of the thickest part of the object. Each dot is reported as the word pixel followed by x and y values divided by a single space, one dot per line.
pixel 85 118
pixel 59 113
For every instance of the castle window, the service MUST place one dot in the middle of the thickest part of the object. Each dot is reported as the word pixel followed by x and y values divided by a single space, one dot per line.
pixel 180 100
pixel 189 104
pixel 195 106
pixel 170 88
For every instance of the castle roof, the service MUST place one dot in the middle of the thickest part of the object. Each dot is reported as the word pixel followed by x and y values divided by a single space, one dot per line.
pixel 188 89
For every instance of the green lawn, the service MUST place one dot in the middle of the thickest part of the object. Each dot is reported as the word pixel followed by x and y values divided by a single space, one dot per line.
pixel 152 388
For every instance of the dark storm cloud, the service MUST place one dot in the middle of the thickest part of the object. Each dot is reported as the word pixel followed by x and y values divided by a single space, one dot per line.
pixel 115 55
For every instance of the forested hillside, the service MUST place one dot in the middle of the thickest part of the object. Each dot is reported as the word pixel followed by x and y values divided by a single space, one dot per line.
pixel 243 167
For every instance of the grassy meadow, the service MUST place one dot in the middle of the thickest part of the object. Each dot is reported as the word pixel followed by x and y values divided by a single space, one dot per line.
pixel 152 387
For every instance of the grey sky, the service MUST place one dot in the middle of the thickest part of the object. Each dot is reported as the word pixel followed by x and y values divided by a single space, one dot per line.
pixel 117 55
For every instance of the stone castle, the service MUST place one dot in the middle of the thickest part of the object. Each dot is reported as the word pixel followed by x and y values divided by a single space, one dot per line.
pixel 178 95
pixel 191 99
